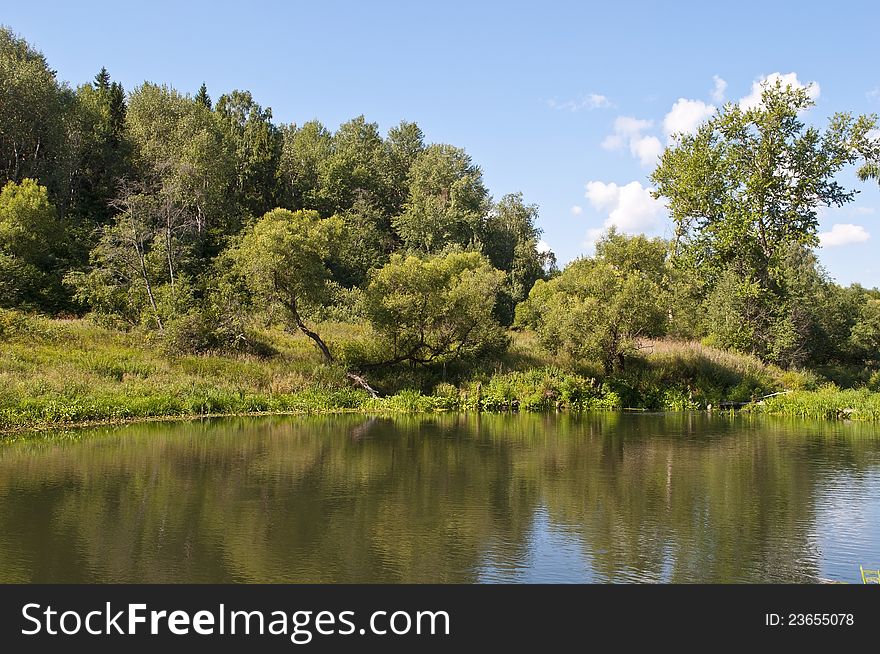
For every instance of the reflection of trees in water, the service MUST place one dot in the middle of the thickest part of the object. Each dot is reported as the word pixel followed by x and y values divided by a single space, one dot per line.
pixel 343 498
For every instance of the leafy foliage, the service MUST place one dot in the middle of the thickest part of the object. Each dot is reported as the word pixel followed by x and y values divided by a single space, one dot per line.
pixel 598 309
pixel 30 238
pixel 744 192
pixel 435 310
pixel 446 202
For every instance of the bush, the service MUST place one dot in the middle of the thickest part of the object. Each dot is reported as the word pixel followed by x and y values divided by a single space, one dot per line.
pixel 198 332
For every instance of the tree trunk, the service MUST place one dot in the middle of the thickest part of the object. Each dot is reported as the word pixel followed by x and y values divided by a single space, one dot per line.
pixel 314 336
pixel 328 357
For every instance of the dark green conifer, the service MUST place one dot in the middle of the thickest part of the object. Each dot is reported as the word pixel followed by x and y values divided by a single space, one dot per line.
pixel 202 97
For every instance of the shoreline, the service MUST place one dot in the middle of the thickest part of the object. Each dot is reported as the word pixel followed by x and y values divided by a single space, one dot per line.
pixel 750 410
pixel 70 374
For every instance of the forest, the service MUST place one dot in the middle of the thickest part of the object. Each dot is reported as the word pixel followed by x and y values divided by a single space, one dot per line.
pixel 165 253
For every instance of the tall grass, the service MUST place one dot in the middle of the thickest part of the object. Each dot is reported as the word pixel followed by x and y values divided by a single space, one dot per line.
pixel 826 403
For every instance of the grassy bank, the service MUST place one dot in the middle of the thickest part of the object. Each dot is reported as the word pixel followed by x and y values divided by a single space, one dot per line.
pixel 823 404
pixel 57 373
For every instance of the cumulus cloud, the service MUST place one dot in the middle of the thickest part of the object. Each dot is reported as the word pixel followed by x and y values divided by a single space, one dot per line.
pixel 685 117
pixel 543 247
pixel 753 99
pixel 628 133
pixel 718 90
pixel 576 210
pixel 843 234
pixel 589 101
pixel 646 149
pixel 631 208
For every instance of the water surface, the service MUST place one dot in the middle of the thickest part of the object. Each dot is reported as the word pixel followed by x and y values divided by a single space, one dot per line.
pixel 444 498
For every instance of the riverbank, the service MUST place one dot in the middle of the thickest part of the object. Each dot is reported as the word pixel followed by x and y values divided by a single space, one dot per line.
pixel 62 373
pixel 827 403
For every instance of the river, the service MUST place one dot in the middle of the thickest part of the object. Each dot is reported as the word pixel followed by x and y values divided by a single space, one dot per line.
pixel 599 497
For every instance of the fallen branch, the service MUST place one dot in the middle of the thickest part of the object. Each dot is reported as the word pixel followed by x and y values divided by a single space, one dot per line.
pixel 360 381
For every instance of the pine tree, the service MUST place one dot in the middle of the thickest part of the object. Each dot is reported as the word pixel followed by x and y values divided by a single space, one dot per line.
pixel 102 80
pixel 202 97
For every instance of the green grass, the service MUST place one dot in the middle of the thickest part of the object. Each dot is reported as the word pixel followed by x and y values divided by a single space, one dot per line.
pixel 56 373
pixel 61 372
pixel 826 403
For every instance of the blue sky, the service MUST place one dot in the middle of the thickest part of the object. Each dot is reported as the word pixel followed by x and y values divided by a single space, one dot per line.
pixel 567 102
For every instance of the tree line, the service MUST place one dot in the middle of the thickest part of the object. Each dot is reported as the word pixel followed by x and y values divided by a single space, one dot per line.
pixel 196 219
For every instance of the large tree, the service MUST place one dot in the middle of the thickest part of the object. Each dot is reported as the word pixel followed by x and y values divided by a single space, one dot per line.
pixel 304 151
pixel 598 309
pixel 353 169
pixel 744 192
pixel 282 258
pixel 257 150
pixel 34 122
pixel 435 310
pixel 103 157
pixel 750 182
pixel 404 144
pixel 447 200
pixel 181 147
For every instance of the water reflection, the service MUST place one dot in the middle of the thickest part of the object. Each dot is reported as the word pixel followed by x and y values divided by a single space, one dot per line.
pixel 448 498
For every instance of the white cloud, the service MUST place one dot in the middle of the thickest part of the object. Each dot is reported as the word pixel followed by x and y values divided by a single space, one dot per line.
pixel 589 101
pixel 577 210
pixel 843 234
pixel 625 128
pixel 613 142
pixel 543 247
pixel 685 117
pixel 631 208
pixel 646 149
pixel 718 90
pixel 628 132
pixel 753 99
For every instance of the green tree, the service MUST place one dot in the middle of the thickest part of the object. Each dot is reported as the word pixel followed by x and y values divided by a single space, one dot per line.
pixel 447 201
pixel 354 168
pixel 403 146
pixel 203 98
pixel 140 267
pixel 598 309
pixel 864 339
pixel 34 134
pixel 749 183
pixel 282 258
pixel 304 151
pixel 104 152
pixel 509 238
pixel 435 310
pixel 30 233
pixel 361 246
pixel 871 168
pixel 744 192
pixel 638 253
pixel 257 149
pixel 182 152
